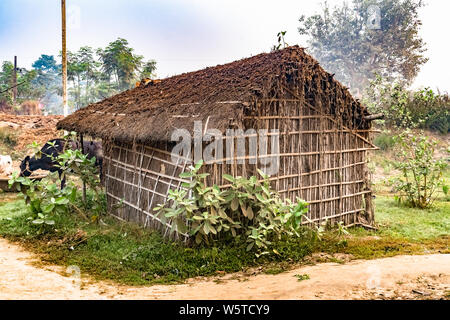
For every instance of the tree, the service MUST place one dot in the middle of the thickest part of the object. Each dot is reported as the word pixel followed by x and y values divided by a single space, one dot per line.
pixel 120 63
pixel 74 71
pixel 89 67
pixel 368 37
pixel 93 75
pixel 148 69
pixel 6 74
pixel 25 89
pixel 46 63
pixel 48 83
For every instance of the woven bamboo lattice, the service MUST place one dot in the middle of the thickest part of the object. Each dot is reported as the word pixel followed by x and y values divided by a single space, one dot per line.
pixel 324 135
pixel 321 161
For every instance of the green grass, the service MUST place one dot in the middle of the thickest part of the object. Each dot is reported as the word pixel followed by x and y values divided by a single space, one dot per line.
pixel 302 277
pixel 402 230
pixel 400 222
pixel 8 137
pixel 11 209
pixel 130 255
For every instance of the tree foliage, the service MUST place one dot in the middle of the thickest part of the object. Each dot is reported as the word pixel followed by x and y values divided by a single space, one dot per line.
pixel 406 108
pixel 354 42
pixel 120 63
pixel 421 173
pixel 93 75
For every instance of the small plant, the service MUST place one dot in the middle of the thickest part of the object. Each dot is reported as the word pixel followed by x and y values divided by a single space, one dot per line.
pixel 385 141
pixel 248 208
pixel 44 221
pixel 281 43
pixel 8 136
pixel 302 277
pixel 421 174
pixel 45 199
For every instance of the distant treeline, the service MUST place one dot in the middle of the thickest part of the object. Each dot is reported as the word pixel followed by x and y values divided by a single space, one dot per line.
pixel 93 74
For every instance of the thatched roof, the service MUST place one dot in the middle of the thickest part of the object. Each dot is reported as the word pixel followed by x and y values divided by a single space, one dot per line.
pixel 218 95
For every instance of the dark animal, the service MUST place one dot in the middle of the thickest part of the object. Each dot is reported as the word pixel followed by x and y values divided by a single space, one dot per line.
pixel 49 153
pixel 93 149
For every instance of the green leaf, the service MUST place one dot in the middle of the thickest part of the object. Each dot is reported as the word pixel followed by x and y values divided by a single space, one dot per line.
pixel 234 204
pixel 212 229
pixel 222 213
pixel 250 214
pixel 62 201
pixel 244 210
pixel 206 228
pixel 198 238
pixel 186 175
pixel 229 178
pixel 260 197
pixel 445 189
pixel 48 208
pixel 198 165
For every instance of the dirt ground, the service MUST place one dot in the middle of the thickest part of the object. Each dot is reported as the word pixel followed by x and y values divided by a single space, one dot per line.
pixel 401 277
pixel 30 128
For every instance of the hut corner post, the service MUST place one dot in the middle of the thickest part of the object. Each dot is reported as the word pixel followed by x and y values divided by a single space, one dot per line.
pixel 82 151
pixel 369 214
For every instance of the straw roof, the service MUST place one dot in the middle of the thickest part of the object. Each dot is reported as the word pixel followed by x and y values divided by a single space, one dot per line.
pixel 217 95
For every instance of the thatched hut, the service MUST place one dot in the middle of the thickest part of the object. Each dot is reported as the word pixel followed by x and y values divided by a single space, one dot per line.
pixel 323 132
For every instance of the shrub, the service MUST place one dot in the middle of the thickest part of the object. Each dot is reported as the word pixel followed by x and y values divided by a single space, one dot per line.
pixel 385 141
pixel 8 136
pixel 45 199
pixel 404 108
pixel 247 208
pixel 421 174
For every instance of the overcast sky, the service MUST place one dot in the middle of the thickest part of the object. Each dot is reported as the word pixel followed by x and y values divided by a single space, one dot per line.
pixel 186 35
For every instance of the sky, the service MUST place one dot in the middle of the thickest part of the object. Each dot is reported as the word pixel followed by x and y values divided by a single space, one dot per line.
pixel 187 35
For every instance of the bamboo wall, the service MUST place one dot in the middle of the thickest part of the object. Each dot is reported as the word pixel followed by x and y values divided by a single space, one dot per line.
pixel 137 178
pixel 322 160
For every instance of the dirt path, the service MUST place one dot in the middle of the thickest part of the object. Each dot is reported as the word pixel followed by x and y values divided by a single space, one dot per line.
pixel 401 277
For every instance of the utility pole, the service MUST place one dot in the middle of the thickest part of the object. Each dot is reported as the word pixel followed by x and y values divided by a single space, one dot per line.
pixel 15 81
pixel 64 58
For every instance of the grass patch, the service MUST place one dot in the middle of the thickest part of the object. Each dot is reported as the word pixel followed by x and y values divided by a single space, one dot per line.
pixel 402 230
pixel 8 136
pixel 130 255
pixel 384 141
pixel 127 254
pixel 401 222
pixel 302 277
pixel 10 206
pixel 274 270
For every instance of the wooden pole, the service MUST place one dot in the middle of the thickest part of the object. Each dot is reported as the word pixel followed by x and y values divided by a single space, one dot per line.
pixel 84 183
pixel 15 81
pixel 64 58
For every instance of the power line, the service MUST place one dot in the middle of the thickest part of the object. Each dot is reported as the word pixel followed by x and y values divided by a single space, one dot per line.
pixel 14 86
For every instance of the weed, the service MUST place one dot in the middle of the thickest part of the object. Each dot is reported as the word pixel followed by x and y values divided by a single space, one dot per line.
pixel 8 136
pixel 301 277
pixel 385 141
